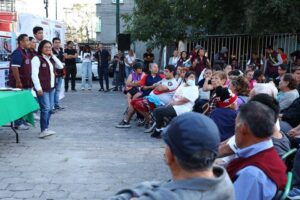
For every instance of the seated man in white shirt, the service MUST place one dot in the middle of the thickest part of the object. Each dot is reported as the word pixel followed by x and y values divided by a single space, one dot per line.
pixel 183 101
pixel 161 95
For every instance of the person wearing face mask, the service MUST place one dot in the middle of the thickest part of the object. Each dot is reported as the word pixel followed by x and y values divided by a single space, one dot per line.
pixel 182 102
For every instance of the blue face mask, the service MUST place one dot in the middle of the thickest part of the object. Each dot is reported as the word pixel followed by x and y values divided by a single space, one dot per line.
pixel 190 82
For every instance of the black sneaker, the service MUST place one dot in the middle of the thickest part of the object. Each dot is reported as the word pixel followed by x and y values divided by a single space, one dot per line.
pixel 123 124
pixel 58 108
pixel 156 134
pixel 101 90
pixel 107 90
pixel 74 90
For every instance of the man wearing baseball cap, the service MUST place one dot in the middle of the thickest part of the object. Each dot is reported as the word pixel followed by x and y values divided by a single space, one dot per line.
pixel 192 141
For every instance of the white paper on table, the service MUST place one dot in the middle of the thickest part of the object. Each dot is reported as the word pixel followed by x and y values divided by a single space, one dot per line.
pixel 2 78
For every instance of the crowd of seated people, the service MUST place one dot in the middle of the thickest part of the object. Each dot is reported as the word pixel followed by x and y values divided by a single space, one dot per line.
pixel 257 112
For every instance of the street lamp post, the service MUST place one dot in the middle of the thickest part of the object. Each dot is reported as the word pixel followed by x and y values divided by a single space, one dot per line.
pixel 117 17
pixel 46 7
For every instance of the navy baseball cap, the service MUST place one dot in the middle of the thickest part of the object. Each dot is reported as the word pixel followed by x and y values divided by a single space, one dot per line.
pixel 190 133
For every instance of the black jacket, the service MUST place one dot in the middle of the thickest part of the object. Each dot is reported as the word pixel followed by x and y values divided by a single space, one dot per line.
pixel 292 113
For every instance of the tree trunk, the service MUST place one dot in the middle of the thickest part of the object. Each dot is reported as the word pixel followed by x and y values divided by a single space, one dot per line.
pixel 161 50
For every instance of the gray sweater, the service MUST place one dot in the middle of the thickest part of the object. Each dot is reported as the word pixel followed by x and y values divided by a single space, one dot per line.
pixel 286 98
pixel 190 189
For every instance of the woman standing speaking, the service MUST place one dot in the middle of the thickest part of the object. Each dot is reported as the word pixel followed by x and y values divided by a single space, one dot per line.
pixel 43 78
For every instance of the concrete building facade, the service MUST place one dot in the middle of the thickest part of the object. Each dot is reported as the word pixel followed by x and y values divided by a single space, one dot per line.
pixel 106 19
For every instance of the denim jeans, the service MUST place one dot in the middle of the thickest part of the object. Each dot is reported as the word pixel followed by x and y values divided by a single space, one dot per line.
pixel 86 73
pixel 57 91
pixel 46 104
pixel 128 70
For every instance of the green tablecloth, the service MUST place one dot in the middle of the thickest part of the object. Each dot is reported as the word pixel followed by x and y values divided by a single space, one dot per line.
pixel 14 105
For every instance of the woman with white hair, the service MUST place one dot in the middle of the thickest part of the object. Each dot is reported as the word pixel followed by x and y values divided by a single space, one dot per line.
pixel 265 88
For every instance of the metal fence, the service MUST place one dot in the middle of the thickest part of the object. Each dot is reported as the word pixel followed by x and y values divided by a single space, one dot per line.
pixel 7 5
pixel 242 46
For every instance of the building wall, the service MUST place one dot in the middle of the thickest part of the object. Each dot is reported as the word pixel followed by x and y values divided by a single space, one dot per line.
pixel 106 11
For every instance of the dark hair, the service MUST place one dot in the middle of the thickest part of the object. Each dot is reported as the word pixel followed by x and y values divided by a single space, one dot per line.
pixel 185 53
pixel 269 101
pixel 235 72
pixel 257 73
pixel 171 68
pixel 200 50
pixel 69 42
pixel 21 38
pixel 241 86
pixel 138 65
pixel 31 38
pixel 199 161
pixel 187 74
pixel 37 29
pixel 41 45
pixel 296 69
pixel 283 67
pixel 222 93
pixel 87 48
pixel 292 81
pixel 280 48
pixel 56 38
pixel 270 47
pixel 258 117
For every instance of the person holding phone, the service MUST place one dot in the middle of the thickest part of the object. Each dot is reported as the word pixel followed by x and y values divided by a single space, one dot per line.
pixel 43 78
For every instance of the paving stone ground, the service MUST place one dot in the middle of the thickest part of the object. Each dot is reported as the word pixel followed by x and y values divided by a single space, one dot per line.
pixel 87 159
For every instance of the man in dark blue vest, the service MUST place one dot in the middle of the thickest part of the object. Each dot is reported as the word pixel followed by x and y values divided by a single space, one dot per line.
pixel 20 71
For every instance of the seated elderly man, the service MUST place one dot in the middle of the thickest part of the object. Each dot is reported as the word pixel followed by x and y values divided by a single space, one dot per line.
pixel 161 95
pixel 281 143
pixel 258 172
pixel 192 145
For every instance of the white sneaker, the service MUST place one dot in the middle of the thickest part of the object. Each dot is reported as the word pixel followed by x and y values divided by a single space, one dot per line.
pixel 46 133
pixel 22 127
pixel 36 117
pixel 51 132
pixel 151 129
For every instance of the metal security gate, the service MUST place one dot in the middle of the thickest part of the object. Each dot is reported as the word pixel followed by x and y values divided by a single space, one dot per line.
pixel 242 46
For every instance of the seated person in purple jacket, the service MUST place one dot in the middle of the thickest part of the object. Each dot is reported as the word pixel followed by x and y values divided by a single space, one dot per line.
pixel 225 113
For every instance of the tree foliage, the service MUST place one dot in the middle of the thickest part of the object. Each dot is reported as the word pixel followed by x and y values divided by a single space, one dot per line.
pixel 163 22
pixel 168 20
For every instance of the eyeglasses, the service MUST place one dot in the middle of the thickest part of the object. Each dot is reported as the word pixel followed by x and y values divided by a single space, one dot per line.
pixel 47 47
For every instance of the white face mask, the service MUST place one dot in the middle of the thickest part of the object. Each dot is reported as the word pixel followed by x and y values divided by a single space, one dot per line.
pixel 190 82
